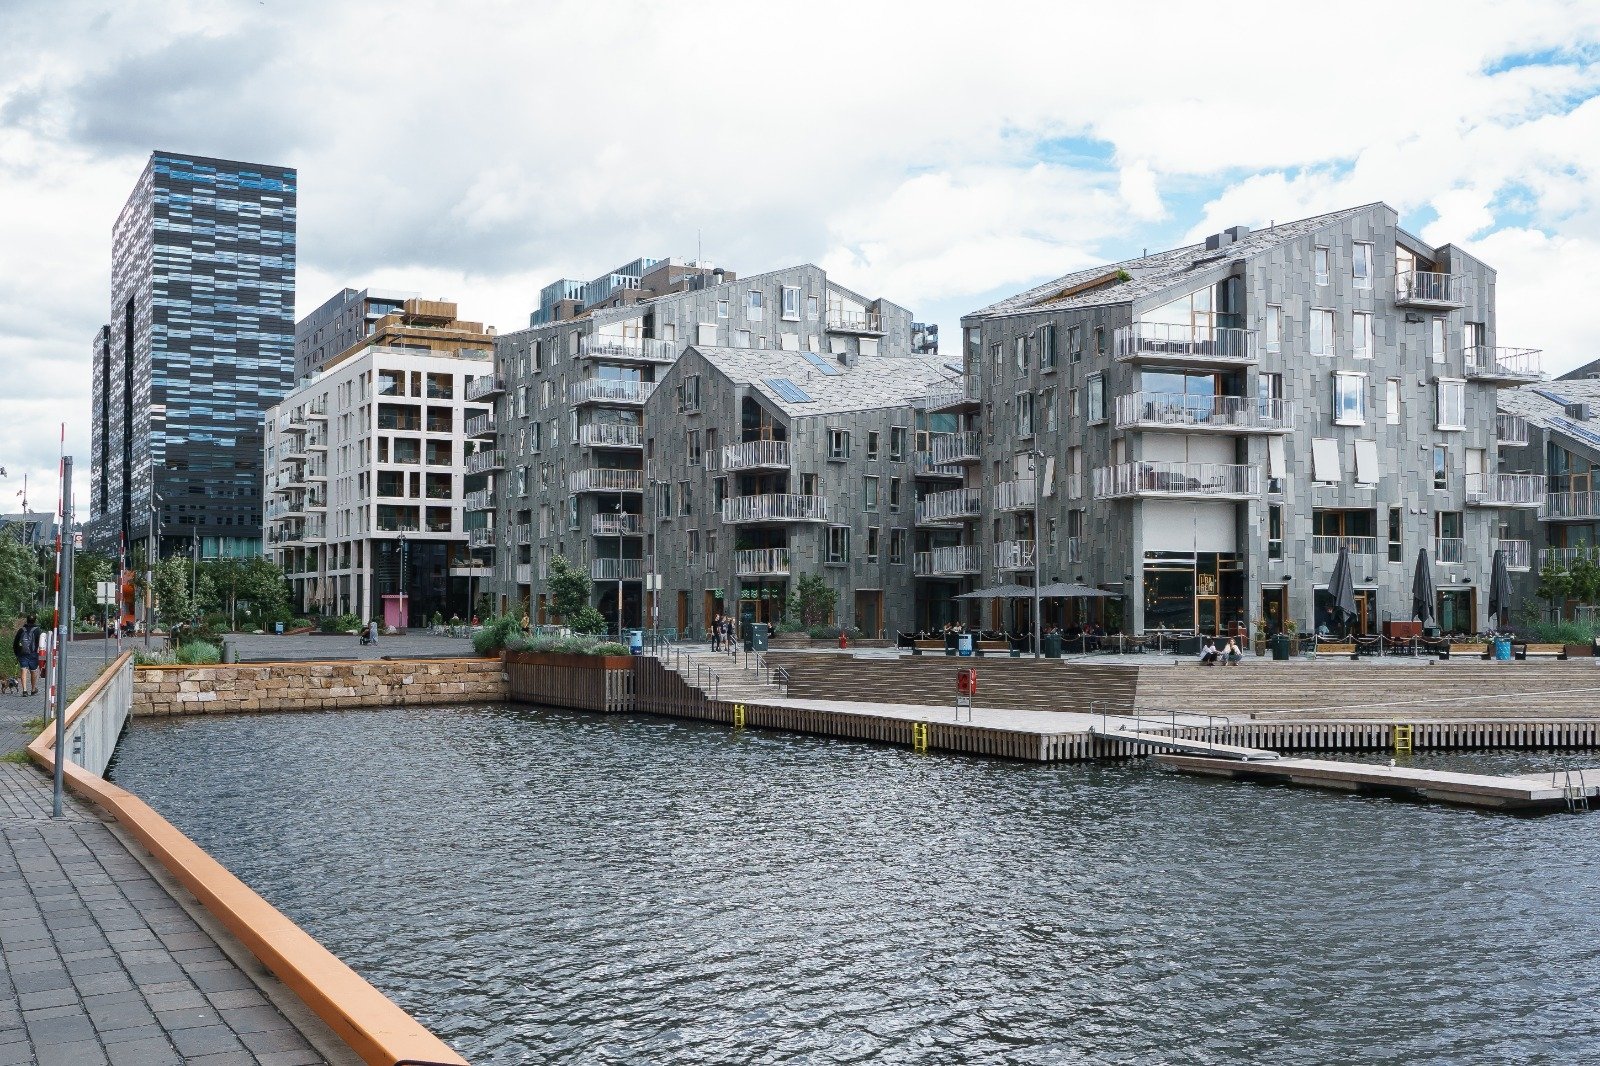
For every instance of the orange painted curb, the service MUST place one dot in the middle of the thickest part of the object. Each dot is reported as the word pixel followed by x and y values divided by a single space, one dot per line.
pixel 368 1021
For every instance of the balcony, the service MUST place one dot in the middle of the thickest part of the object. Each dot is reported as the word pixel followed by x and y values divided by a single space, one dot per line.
pixel 485 388
pixel 756 455
pixel 922 465
pixel 481 427
pixel 317 412
pixel 606 479
pixel 1570 507
pixel 1505 490
pixel 1179 480
pixel 960 448
pixel 520 534
pixel 775 508
pixel 946 398
pixel 865 323
pixel 1510 431
pixel 479 500
pixel 481 538
pixel 1159 342
pixel 610 435
pixel 1226 414
pixel 486 461
pixel 1013 555
pixel 1518 553
pixel 1562 558
pixel 523 573
pixel 628 349
pixel 1355 545
pixel 1014 495
pixel 610 390
pixel 761 562
pixel 956 560
pixel 948 508
pixel 616 525
pixel 1504 366
pixel 1419 288
pixel 616 569
pixel 1449 550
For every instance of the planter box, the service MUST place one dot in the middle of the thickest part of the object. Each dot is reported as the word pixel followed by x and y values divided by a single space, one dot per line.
pixel 1576 650
pixel 788 640
pixel 585 682
pixel 569 661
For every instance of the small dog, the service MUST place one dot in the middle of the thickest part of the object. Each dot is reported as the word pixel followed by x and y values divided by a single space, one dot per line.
pixel 10 686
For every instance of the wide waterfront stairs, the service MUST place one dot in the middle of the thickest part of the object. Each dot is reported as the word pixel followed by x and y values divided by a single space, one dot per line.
pixel 1267 690
pixel 723 677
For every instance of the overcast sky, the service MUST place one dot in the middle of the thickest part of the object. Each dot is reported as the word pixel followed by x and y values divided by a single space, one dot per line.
pixel 940 154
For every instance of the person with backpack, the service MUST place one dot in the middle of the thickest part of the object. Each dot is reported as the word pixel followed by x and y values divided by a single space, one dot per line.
pixel 25 646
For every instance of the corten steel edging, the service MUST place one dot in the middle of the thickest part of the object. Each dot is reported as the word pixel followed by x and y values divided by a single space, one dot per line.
pixel 368 1021
pixel 254 663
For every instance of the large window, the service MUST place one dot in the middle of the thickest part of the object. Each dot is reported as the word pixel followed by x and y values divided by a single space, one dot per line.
pixel 1395 547
pixel 1321 332
pixel 1275 531
pixel 869 500
pixel 1441 467
pixel 838 444
pixel 1272 329
pixel 758 301
pixel 838 545
pixel 1361 335
pixel 1025 415
pixel 1020 347
pixel 1349 399
pixel 1047 347
pixel 1361 264
pixel 1322 259
pixel 1452 404
pixel 791 303
pixel 1391 401
pixel 1097 398
pixel 1439 349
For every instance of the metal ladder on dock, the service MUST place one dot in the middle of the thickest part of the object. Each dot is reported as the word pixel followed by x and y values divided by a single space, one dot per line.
pixel 1576 795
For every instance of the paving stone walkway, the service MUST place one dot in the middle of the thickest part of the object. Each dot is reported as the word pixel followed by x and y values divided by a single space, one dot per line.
pixel 98 962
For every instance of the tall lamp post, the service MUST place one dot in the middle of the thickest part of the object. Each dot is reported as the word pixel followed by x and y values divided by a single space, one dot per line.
pixel 620 522
pixel 150 552
pixel 405 598
pixel 1036 458
pixel 653 579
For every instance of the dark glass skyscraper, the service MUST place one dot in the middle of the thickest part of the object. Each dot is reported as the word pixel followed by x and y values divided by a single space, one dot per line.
pixel 200 342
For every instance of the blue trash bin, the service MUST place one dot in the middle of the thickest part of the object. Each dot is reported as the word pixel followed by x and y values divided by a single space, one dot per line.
pixel 965 644
pixel 1502 649
pixel 636 641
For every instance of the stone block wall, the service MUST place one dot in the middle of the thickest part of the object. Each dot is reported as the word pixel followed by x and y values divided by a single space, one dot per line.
pixel 315 686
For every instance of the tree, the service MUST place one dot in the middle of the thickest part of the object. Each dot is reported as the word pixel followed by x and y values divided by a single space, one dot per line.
pixel 88 570
pixel 1555 585
pixel 813 601
pixel 21 578
pixel 174 602
pixel 1585 576
pixel 569 598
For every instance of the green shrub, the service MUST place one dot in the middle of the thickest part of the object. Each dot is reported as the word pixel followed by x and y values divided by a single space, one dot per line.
pixel 1557 632
pixel 343 623
pixel 495 634
pixel 577 644
pixel 609 647
pixel 199 653
pixel 143 657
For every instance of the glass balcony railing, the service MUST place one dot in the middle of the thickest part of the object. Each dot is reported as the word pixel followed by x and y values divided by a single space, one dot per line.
pixel 756 455
pixel 1176 479
pixel 955 505
pixel 610 390
pixel 1505 490
pixel 1233 414
pixel 1185 344
pixel 1509 365
pixel 1421 288
pixel 1518 553
pixel 1510 430
pixel 956 560
pixel 1014 495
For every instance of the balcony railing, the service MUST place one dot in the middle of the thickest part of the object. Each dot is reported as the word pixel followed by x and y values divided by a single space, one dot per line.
pixel 1232 414
pixel 1014 495
pixel 635 348
pixel 1510 430
pixel 616 569
pixel 1567 506
pixel 1505 490
pixel 520 534
pixel 606 479
pixel 479 500
pixel 775 508
pixel 954 505
pixel 611 435
pixel 1185 344
pixel 956 560
pixel 481 426
pixel 1355 545
pixel 956 448
pixel 922 465
pixel 482 462
pixel 950 397
pixel 481 538
pixel 1518 555
pixel 616 525
pixel 523 573
pixel 485 388
pixel 610 390
pixel 1449 550
pixel 843 320
pixel 1176 479
pixel 1420 288
pixel 1504 364
pixel 761 562
pixel 1013 555
pixel 756 455
pixel 1563 558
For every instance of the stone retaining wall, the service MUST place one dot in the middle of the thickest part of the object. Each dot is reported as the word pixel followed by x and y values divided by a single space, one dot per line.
pixel 315 686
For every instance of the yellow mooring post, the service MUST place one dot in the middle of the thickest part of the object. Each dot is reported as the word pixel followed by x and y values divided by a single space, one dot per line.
pixel 738 716
pixel 1402 739
pixel 919 736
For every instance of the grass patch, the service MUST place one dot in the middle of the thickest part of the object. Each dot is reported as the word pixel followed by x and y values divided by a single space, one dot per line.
pixel 16 758
pixel 36 725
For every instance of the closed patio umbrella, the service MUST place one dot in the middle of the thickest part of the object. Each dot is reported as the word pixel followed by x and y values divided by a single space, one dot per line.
pixel 1422 589
pixel 1342 588
pixel 1499 589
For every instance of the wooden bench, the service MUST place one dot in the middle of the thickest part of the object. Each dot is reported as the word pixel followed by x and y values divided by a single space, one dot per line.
pixel 1327 647
pixel 925 647
pixel 1541 651
pixel 992 647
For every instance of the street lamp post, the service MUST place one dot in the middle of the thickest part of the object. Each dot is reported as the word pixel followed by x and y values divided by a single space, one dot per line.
pixel 620 522
pixel 405 599
pixel 1035 458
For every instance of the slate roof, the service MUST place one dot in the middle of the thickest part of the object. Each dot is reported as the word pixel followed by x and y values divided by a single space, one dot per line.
pixel 874 381
pixel 1151 274
pixel 1545 405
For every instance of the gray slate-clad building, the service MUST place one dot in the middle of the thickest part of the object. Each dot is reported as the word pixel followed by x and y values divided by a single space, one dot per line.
pixel 769 465
pixel 1203 428
pixel 569 417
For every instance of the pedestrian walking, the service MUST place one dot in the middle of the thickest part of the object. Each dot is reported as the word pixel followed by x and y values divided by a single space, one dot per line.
pixel 716 632
pixel 25 646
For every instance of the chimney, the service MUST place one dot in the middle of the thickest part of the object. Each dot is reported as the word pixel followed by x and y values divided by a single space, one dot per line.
pixel 1218 241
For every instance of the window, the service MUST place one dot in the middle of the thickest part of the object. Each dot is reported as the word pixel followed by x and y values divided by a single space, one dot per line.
pixel 1272 329
pixel 664 499
pixel 1097 398
pixel 999 359
pixel 572 512
pixel 694 447
pixel 1394 535
pixel 1277 467
pixel 1321 332
pixel 1439 348
pixel 1074 473
pixel 872 446
pixel 1025 415
pixel 1020 346
pixel 1099 340
pixel 685 499
pixel 791 303
pixel 869 496
pixel 872 544
pixel 1047 347
pixel 1349 399
pixel 1452 404
pixel 1366 462
pixel 894 495
pixel 897 545
pixel 1441 468
pixel 1275 531
pixel 1322 259
pixel 1048 401
pixel 1391 401
pixel 722 308
pixel 741 338
pixel 838 545
pixel 706 333
pixel 1361 264
pixel 1325 459
pixel 694 545
pixel 689 393
pixel 1269 390
pixel 1361 336
pixel 1475 338
pixel 757 303
pixel 812 307
pixel 838 444
pixel 808 484
pixel 897 444
pixel 1075 343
